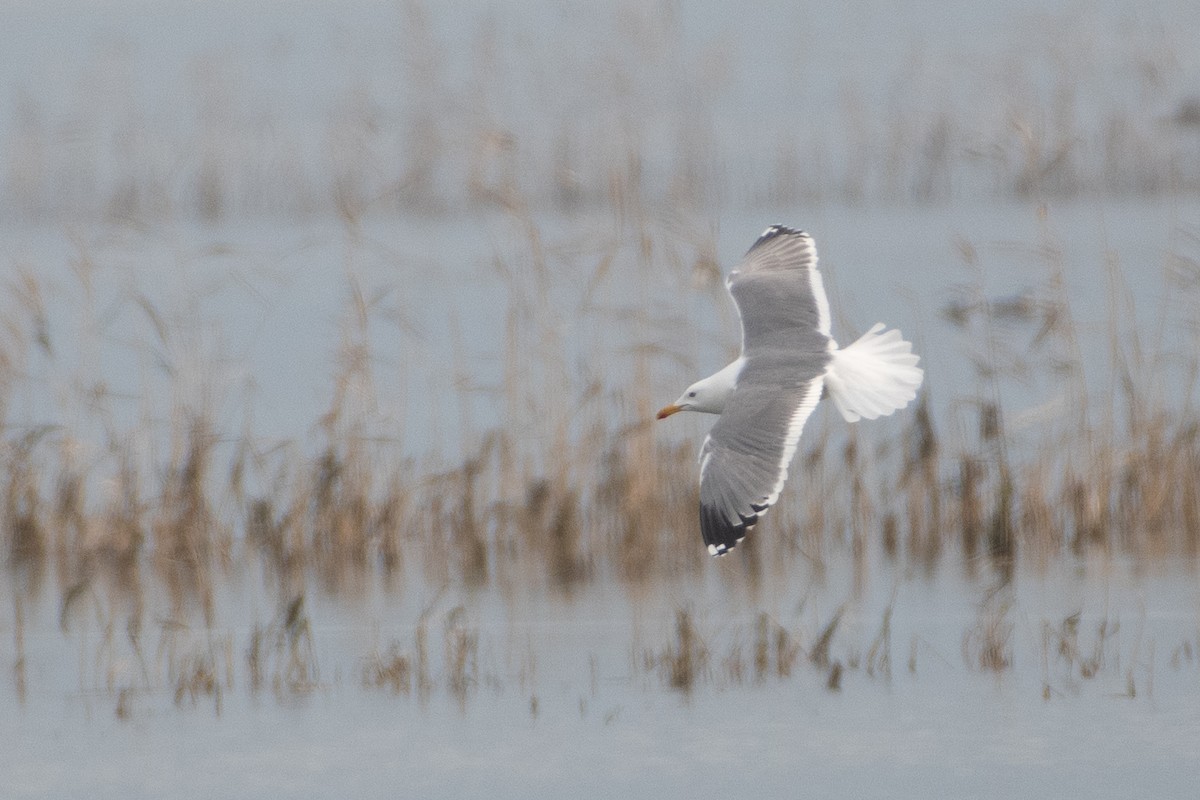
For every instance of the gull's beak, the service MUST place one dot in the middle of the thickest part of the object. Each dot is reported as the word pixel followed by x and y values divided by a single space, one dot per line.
pixel 669 410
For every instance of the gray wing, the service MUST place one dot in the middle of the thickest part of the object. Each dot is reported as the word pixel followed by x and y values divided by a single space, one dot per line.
pixel 785 352
pixel 780 294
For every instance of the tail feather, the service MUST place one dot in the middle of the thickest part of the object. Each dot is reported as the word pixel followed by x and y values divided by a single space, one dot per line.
pixel 875 376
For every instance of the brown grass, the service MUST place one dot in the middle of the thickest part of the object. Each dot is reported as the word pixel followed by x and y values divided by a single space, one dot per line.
pixel 576 487
pixel 391 670
pixel 600 496
pixel 683 661
pixel 281 655
pixel 987 646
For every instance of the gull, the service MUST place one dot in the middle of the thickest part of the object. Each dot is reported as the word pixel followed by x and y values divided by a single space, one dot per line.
pixel 765 396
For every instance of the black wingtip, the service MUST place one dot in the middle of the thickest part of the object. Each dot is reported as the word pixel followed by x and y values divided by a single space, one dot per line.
pixel 773 232
pixel 720 534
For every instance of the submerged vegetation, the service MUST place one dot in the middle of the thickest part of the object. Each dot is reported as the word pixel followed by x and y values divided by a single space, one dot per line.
pixel 155 537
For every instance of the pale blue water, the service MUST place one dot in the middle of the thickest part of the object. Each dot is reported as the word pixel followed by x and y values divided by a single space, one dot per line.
pixel 258 314
pixel 602 724
pixel 125 107
pixel 111 112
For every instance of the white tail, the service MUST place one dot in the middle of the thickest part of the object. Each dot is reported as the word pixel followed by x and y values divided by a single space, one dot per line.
pixel 875 376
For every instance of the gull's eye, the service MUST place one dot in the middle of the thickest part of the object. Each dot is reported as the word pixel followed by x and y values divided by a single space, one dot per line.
pixel 691 394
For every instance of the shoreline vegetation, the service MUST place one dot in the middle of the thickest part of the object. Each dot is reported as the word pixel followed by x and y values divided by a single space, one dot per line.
pixel 138 543
pixel 598 497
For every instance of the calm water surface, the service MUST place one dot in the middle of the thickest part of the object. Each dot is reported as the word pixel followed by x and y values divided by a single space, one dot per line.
pixel 136 291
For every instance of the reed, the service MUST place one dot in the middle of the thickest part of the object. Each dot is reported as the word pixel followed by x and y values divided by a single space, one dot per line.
pixel 819 653
pixel 574 488
pixel 281 656
pixel 598 495
pixel 687 657
pixel 391 670
pixel 987 646
pixel 461 656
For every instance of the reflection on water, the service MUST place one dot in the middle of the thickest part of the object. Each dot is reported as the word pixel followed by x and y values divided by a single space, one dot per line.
pixel 953 675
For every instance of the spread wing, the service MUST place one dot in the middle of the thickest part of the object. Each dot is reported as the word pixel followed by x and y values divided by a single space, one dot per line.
pixel 785 353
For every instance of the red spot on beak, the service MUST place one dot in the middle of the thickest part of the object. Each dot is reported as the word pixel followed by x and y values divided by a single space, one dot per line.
pixel 668 411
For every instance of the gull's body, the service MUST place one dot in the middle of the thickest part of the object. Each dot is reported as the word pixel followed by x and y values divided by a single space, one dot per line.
pixel 765 396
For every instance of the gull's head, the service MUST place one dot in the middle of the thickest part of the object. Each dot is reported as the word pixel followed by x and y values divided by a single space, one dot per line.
pixel 707 396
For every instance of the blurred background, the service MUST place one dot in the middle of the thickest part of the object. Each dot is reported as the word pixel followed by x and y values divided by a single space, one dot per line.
pixel 332 334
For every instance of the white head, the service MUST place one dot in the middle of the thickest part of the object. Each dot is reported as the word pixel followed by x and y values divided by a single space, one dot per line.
pixel 709 395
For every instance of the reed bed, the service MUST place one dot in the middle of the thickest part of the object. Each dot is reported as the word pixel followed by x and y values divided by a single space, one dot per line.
pixel 143 557
pixel 144 536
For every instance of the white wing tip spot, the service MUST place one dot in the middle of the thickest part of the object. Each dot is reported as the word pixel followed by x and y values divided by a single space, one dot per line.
pixel 778 230
pixel 781 230
pixel 719 550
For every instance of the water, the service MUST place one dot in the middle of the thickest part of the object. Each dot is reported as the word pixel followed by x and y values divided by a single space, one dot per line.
pixel 519 215
pixel 782 743
pixel 935 727
pixel 258 315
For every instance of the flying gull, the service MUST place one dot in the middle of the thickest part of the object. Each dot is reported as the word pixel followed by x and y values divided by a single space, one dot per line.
pixel 766 395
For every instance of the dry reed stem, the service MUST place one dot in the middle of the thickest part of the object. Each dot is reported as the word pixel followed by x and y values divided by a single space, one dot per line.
pixel 987 646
